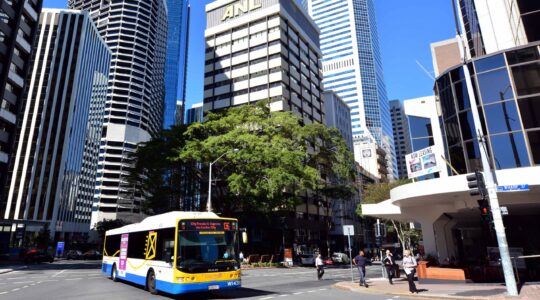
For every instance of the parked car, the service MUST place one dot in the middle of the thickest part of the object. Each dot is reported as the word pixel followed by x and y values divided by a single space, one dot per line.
pixel 307 259
pixel 74 254
pixel 340 258
pixel 37 256
pixel 92 254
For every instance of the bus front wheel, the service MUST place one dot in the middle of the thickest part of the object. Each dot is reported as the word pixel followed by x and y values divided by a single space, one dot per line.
pixel 151 282
pixel 114 273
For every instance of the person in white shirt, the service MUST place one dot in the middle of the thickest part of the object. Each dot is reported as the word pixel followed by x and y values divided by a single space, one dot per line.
pixel 319 264
pixel 409 266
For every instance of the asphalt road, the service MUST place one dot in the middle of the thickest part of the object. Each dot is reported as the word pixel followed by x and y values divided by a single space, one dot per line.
pixel 82 280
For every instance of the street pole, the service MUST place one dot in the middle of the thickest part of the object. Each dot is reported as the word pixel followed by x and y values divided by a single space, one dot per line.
pixel 350 256
pixel 489 179
pixel 209 202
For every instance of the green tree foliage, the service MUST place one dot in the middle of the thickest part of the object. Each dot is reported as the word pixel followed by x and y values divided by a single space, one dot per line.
pixel 43 238
pixel 108 224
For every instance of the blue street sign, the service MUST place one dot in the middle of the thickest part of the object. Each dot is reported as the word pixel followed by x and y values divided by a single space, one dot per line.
pixel 513 188
pixel 59 248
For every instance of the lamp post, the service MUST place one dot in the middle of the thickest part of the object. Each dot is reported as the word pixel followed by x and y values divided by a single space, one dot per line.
pixel 209 202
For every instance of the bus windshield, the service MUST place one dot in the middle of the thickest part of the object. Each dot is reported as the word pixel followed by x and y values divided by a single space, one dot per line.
pixel 207 246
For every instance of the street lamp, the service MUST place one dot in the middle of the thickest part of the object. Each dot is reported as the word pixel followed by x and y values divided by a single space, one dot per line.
pixel 209 202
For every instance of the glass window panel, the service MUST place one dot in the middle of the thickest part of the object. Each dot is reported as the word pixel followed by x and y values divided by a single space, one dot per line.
pixel 502 117
pixel 530 112
pixel 462 96
pixel 443 82
pixel 489 63
pixel 495 86
pixel 421 143
pixel 527 79
pixel 457 74
pixel 467 125
pixel 509 151
pixel 526 6
pixel 522 55
pixel 531 23
pixel 452 131
pixel 447 103
pixel 420 127
pixel 473 155
pixel 534 142
pixel 457 159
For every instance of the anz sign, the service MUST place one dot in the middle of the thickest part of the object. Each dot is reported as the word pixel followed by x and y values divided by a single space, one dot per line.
pixel 239 8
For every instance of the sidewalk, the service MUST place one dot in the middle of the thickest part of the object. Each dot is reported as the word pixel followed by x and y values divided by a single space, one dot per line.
pixel 6 268
pixel 470 291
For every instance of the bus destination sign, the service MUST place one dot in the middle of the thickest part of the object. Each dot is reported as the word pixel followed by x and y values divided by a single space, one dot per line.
pixel 207 225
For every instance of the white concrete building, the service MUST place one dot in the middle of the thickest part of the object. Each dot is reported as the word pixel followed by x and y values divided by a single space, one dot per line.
pixel 258 50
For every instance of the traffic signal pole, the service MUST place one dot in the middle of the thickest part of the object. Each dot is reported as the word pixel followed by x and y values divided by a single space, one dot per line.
pixel 491 186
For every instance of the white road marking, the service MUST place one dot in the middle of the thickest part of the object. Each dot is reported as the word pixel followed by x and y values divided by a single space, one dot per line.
pixel 1 293
pixel 73 278
pixel 298 293
pixel 59 273
pixel 283 295
pixel 20 282
pixel 265 298
pixel 24 286
pixel 14 290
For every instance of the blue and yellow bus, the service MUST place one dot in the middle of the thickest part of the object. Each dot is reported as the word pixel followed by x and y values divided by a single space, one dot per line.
pixel 175 252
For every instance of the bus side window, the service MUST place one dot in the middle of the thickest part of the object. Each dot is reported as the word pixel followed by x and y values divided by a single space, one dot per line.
pixel 168 250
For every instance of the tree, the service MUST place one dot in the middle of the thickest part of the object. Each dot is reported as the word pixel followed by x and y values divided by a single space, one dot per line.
pixel 43 238
pixel 108 224
pixel 273 167
pixel 378 192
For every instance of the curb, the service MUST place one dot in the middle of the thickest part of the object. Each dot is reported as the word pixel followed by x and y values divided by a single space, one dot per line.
pixel 5 271
pixel 408 295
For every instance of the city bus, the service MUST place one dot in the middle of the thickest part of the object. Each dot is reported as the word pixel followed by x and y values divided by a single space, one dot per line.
pixel 176 253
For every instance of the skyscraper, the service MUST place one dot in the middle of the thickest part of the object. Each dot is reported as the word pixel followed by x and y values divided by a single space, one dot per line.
pixel 19 21
pixel 54 170
pixel 402 137
pixel 176 62
pixel 338 115
pixel 352 66
pixel 136 33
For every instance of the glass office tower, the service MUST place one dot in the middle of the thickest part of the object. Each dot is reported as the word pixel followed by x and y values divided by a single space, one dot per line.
pixel 176 62
pixel 352 66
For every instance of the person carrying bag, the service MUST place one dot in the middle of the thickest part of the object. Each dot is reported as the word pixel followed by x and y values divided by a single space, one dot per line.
pixel 389 264
pixel 409 266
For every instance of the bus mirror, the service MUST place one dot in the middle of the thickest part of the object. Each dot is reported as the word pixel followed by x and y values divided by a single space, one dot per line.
pixel 244 237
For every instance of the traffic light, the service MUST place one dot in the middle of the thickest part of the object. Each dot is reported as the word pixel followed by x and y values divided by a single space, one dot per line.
pixel 477 186
pixel 485 212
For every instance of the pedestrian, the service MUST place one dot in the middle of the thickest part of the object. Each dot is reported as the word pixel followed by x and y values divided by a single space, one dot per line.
pixel 389 264
pixel 360 261
pixel 319 264
pixel 241 257
pixel 409 265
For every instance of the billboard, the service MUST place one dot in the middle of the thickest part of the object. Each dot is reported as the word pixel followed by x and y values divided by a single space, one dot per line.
pixel 423 162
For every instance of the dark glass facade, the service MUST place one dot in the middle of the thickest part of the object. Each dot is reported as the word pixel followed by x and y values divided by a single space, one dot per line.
pixel 507 87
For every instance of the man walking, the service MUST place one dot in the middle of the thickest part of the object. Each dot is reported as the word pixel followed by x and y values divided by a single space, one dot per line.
pixel 319 264
pixel 360 261
pixel 389 264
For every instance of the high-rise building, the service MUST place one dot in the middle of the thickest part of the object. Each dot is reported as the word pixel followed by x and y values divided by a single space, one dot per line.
pixel 54 170
pixel 338 115
pixel 495 25
pixel 445 54
pixel 195 113
pixel 178 117
pixel 402 138
pixel 352 67
pixel 18 24
pixel 136 33
pixel 176 62
pixel 247 58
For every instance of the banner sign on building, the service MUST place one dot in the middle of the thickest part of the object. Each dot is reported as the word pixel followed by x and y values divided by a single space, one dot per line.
pixel 423 162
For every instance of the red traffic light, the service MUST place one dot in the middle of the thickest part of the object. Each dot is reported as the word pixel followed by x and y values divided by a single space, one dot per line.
pixel 484 211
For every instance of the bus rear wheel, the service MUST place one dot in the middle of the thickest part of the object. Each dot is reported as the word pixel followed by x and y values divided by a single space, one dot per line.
pixel 114 273
pixel 151 282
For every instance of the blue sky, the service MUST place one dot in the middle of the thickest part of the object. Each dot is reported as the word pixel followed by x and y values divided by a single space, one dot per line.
pixel 406 29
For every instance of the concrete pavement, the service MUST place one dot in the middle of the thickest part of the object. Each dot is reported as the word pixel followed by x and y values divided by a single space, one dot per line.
pixel 469 291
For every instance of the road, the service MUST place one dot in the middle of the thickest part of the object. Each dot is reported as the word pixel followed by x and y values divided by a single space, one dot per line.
pixel 82 280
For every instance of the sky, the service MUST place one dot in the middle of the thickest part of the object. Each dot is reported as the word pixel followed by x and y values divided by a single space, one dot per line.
pixel 406 30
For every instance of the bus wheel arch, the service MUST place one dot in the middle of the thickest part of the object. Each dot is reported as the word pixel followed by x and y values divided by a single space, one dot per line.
pixel 151 281
pixel 114 273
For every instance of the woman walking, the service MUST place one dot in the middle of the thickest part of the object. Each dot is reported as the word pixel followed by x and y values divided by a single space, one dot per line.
pixel 409 266
pixel 389 263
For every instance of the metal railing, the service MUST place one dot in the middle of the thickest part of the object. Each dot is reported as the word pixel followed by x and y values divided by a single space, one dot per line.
pixel 514 263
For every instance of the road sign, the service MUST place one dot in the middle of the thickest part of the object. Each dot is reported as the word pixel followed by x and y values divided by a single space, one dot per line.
pixel 504 210
pixel 513 188
pixel 348 230
pixel 59 249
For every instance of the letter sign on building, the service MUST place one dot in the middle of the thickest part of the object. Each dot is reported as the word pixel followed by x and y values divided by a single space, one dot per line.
pixel 240 7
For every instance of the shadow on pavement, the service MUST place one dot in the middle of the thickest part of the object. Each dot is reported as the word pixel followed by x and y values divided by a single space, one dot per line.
pixel 483 293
